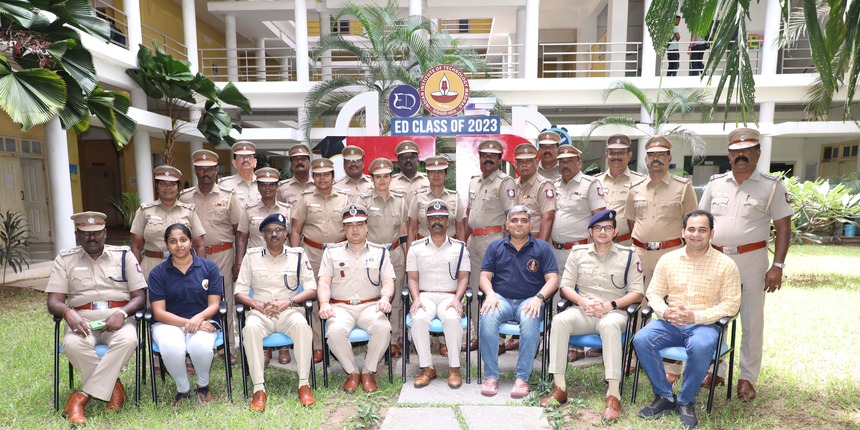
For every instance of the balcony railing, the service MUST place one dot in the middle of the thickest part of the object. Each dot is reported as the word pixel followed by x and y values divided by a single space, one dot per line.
pixel 170 45
pixel 117 20
pixel 278 65
pixel 686 66
pixel 796 58
pixel 584 60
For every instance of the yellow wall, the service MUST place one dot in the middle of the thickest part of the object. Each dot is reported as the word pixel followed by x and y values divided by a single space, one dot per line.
pixel 165 17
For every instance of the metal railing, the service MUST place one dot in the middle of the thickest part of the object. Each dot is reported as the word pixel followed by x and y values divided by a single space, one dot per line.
pixel 278 65
pixel 688 65
pixel 466 26
pixel 796 58
pixel 170 45
pixel 117 20
pixel 583 60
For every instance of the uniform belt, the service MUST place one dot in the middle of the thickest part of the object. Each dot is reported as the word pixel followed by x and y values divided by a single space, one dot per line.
pixel 656 246
pixel 486 230
pixel 622 238
pixel 355 302
pixel 730 250
pixel 214 249
pixel 156 254
pixel 101 305
pixel 445 292
pixel 393 245
pixel 316 244
pixel 569 245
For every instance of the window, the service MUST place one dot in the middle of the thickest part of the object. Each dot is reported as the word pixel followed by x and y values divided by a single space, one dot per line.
pixel 31 147
pixel 7 144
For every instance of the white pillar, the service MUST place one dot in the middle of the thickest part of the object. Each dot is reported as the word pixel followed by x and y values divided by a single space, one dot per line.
pixel 766 120
pixel 261 60
pixel 617 37
pixel 232 53
pixel 649 56
pixel 61 184
pixel 142 152
pixel 194 115
pixel 645 118
pixel 189 31
pixel 131 9
pixel 285 69
pixel 521 42
pixel 325 30
pixel 415 7
pixel 531 38
pixel 769 49
pixel 302 60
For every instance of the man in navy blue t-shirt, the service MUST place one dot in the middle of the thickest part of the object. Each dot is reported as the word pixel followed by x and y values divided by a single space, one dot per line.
pixel 518 274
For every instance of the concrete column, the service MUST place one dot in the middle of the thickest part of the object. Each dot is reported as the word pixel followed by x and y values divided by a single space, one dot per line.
pixel 617 37
pixel 769 50
pixel 189 31
pixel 61 184
pixel 232 53
pixel 644 117
pixel 261 60
pixel 531 38
pixel 131 8
pixel 765 118
pixel 193 118
pixel 415 7
pixel 649 56
pixel 302 60
pixel 521 42
pixel 142 152
pixel 325 30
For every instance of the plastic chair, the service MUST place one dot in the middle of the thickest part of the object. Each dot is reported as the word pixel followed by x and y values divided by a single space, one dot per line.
pixel 274 340
pixel 513 329
pixel 436 328
pixel 355 336
pixel 678 353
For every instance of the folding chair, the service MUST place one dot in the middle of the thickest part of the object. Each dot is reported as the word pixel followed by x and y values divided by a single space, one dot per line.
pixel 274 340
pixel 593 340
pixel 512 328
pixel 680 354
pixel 436 328
pixel 355 336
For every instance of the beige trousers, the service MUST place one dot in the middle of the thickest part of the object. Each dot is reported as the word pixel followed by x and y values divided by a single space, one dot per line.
pixel 290 322
pixel 436 306
pixel 366 317
pixel 573 321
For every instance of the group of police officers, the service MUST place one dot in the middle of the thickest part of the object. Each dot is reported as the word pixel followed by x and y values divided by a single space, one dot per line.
pixel 349 243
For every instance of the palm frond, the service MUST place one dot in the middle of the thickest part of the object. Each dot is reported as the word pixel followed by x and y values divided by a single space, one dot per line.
pixel 631 88
pixel 698 146
pixel 609 120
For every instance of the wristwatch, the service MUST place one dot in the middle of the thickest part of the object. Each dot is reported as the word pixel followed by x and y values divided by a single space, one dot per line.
pixel 614 305
pixel 540 296
pixel 780 265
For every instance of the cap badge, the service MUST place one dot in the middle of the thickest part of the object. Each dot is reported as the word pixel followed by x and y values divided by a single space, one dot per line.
pixel 91 220
pixel 281 218
pixel 435 206
pixel 353 210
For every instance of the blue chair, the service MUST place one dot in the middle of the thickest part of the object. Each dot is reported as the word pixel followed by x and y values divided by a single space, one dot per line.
pixel 678 353
pixel 512 328
pixel 436 328
pixel 357 335
pixel 220 341
pixel 274 340
pixel 593 340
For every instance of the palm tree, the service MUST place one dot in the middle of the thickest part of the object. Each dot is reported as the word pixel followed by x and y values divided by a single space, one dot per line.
pixel 660 111
pixel 835 48
pixel 395 51
pixel 46 71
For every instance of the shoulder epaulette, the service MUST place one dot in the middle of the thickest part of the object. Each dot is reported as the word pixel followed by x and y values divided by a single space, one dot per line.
pixel 637 173
pixel 397 175
pixel 396 193
pixel 633 184
pixel 185 205
pixel 294 250
pixel 421 191
pixel 278 203
pixel 365 194
pixel 376 245
pixel 476 176
pixel 336 244
pixel 681 179
pixel 771 177
pixel 420 241
pixel 117 248
pixel 283 181
pixel 255 250
pixel 588 178
pixel 343 192
pixel 226 178
pixel 70 251
pixel 341 179
pixel 718 176
pixel 304 192
pixel 455 240
pixel 504 176
pixel 147 205
pixel 579 247
pixel 187 191
pixel 541 180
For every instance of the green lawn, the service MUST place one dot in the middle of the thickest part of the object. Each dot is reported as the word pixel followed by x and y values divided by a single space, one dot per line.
pixel 809 379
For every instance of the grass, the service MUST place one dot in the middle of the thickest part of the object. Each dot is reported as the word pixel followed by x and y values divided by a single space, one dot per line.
pixel 809 379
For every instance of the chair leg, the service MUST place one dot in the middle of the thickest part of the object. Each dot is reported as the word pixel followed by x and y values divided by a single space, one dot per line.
pixel 137 376
pixel 390 360
pixel 325 354
pixel 71 377
pixel 56 378
pixel 405 354
pixel 152 376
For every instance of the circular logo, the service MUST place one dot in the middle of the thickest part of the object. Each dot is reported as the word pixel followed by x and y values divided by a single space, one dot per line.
pixel 532 265
pixel 444 90
pixel 404 101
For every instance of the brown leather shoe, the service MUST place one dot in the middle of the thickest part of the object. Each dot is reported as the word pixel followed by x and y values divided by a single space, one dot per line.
pixel 672 377
pixel 594 352
pixel 473 346
pixel 443 350
pixel 613 408
pixel 204 396
pixel 351 383
pixel 454 379
pixel 284 356
pixel 117 398
pixel 318 356
pixel 502 348
pixel 574 355
pixel 368 382
pixel 306 397
pixel 395 350
pixel 556 393
pixel 512 345
pixel 74 409
pixel 427 374
pixel 746 391
pixel 267 356
pixel 258 402
pixel 706 383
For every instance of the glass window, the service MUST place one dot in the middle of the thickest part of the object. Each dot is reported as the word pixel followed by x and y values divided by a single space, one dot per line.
pixel 37 147
pixel 25 146
pixel 8 145
pixel 827 153
pixel 854 150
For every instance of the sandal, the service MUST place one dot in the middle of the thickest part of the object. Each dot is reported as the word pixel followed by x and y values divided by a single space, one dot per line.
pixel 204 396
pixel 179 399
pixel 520 390
pixel 489 388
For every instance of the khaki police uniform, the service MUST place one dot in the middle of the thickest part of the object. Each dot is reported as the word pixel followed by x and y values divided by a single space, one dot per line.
pixel 152 219
pixel 658 209
pixel 551 174
pixel 601 277
pixel 252 216
pixel 384 218
pixel 573 209
pixel 437 282
pixel 290 190
pixel 615 191
pixel 742 216
pixel 409 187
pixel 354 187
pixel 267 277
pixel 357 277
pixel 84 281
pixel 418 210
pixel 538 195
pixel 245 191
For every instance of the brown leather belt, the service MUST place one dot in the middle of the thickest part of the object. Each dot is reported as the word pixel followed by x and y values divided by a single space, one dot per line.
pixel 486 230
pixel 446 292
pixel 214 249
pixel 569 245
pixel 730 250
pixel 656 246
pixel 622 238
pixel 355 301
pixel 316 244
pixel 155 254
pixel 101 305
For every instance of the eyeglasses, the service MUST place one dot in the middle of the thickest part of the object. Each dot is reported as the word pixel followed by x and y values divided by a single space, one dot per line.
pixel 244 157
pixel 617 153
pixel 277 230
pixel 660 154
pixel 603 227
pixel 519 220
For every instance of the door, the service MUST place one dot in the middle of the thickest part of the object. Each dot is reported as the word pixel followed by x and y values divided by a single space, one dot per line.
pixel 11 187
pixel 36 199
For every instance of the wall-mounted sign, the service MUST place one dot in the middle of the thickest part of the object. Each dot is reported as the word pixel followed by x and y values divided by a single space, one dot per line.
pixel 444 90
pixel 404 101
pixel 441 126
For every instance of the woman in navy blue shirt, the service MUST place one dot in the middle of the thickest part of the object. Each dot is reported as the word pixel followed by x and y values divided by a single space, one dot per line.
pixel 185 291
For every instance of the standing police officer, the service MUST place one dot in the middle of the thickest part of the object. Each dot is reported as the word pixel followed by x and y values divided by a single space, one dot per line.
pixel 355 182
pixel 534 191
pixel 409 181
pixel 616 181
pixel 290 190
pixel 245 161
pixel 548 143
pixel 437 171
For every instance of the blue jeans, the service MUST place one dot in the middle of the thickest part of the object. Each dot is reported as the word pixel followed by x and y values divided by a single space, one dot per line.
pixel 511 310
pixel 699 340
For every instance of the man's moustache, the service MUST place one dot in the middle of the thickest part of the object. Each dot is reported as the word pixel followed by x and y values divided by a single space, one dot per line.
pixel 742 158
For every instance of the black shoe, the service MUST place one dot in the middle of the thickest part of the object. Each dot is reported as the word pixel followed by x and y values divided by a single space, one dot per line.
pixel 687 415
pixel 658 408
